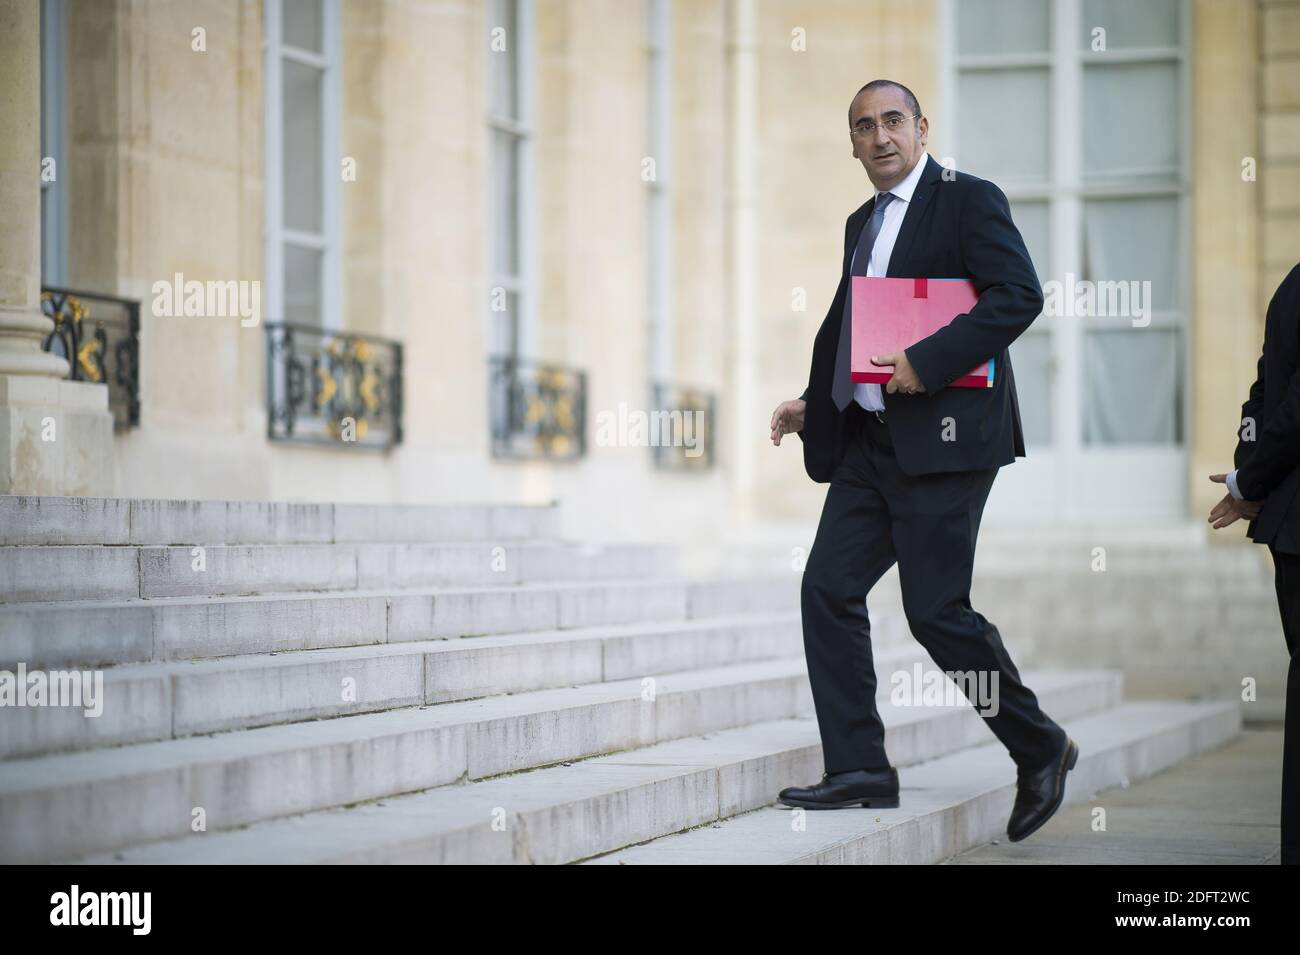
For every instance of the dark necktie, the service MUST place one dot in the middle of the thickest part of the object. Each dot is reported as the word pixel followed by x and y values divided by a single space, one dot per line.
pixel 842 385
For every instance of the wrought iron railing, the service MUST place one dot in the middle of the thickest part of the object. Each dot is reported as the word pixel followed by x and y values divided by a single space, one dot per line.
pixel 682 421
pixel 333 388
pixel 537 410
pixel 99 335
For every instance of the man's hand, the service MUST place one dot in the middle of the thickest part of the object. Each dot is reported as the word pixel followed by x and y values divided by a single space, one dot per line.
pixel 1230 509
pixel 787 417
pixel 904 378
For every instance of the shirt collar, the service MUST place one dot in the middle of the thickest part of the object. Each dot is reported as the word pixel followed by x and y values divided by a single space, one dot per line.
pixel 905 188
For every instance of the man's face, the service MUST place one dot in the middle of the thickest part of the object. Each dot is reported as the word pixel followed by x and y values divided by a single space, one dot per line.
pixel 887 155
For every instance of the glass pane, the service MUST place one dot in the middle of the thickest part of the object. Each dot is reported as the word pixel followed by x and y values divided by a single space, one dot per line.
pixel 302 299
pixel 1031 367
pixel 52 137
pixel 1003 124
pixel 1003 26
pixel 1131 121
pixel 49 266
pixel 503 64
pixel 505 328
pixel 1130 23
pixel 302 24
pixel 302 147
pixel 1134 240
pixel 1132 387
pixel 505 203
pixel 1032 219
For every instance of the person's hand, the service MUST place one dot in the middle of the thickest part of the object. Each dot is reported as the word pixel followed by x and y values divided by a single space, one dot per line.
pixel 904 378
pixel 1229 510
pixel 787 417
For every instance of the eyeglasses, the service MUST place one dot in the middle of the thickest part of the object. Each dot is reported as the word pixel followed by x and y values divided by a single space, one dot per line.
pixel 893 124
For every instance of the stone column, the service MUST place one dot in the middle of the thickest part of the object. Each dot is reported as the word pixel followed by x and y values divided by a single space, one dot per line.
pixel 1227 316
pixel 742 359
pixel 56 436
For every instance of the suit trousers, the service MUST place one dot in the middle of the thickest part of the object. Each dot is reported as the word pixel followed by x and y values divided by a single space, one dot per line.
pixel 1286 578
pixel 876 515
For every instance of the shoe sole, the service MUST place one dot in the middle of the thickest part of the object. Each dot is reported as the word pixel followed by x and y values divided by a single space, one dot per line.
pixel 866 802
pixel 1071 757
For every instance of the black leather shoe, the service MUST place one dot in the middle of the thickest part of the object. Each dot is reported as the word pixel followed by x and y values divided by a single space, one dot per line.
pixel 871 789
pixel 1039 793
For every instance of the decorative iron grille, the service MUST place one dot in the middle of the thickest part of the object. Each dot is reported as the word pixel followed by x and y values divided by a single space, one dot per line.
pixel 332 388
pixel 537 410
pixel 99 335
pixel 682 420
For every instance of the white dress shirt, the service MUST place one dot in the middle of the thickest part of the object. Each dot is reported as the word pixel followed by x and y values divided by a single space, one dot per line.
pixel 1232 483
pixel 867 393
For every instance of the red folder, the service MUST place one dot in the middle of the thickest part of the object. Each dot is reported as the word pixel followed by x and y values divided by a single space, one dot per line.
pixel 888 315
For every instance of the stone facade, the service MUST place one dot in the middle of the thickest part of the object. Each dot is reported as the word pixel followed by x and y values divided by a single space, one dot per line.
pixel 164 171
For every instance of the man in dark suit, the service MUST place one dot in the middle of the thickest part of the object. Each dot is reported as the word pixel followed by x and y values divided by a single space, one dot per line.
pixel 1263 489
pixel 910 466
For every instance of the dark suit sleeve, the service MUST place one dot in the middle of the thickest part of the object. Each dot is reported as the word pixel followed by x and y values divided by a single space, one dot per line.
pixel 1010 297
pixel 1251 410
pixel 1277 447
pixel 804 398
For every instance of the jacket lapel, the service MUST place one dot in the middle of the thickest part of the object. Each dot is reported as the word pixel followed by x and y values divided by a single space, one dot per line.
pixel 921 198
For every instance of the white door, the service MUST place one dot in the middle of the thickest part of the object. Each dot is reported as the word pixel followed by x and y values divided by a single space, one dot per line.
pixel 1077 109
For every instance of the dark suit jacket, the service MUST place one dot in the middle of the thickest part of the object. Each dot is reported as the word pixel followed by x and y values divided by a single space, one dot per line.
pixel 1269 466
pixel 955 228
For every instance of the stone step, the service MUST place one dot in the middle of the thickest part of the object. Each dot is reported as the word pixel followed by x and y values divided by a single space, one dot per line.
pixel 1215 808
pixel 116 573
pixel 53 807
pixel 1018 552
pixel 1215 676
pixel 948 804
pixel 94 633
pixel 568 812
pixel 731 594
pixel 1010 550
pixel 1124 608
pixel 1225 572
pixel 171 700
pixel 1161 585
pixel 121 521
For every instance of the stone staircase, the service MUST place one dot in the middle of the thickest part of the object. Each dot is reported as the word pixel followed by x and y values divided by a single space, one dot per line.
pixel 1182 611
pixel 393 683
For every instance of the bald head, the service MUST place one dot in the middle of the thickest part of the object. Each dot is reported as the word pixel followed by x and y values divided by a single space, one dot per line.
pixel 887 132
pixel 913 105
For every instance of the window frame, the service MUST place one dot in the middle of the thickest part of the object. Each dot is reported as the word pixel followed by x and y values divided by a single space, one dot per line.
pixel 659 211
pixel 54 211
pixel 1066 193
pixel 1067 479
pixel 523 282
pixel 277 235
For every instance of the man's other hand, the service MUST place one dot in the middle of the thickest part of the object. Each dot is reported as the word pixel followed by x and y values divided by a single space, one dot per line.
pixel 787 417
pixel 904 378
pixel 1229 510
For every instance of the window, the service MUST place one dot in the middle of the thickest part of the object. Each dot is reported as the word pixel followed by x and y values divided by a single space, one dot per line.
pixel 53 191
pixel 659 240
pixel 1077 109
pixel 1132 175
pixel 510 150
pixel 303 66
